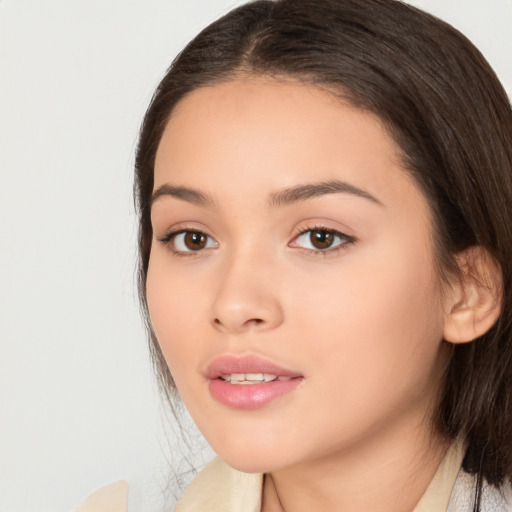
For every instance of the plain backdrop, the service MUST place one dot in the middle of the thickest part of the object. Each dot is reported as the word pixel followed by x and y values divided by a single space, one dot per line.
pixel 78 405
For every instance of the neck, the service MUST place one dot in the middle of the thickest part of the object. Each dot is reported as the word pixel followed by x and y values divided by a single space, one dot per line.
pixel 382 475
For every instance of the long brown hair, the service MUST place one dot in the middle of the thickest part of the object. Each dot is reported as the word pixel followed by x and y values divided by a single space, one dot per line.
pixel 445 108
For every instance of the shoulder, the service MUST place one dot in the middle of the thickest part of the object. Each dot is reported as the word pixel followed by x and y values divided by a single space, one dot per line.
pixel 111 498
pixel 219 487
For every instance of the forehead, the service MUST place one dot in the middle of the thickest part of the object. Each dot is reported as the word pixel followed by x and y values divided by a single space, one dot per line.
pixel 269 109
pixel 265 134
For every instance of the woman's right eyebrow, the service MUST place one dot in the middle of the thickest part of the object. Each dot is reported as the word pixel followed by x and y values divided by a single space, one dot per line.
pixel 184 193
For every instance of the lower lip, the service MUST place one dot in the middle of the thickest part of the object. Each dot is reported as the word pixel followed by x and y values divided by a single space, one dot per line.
pixel 251 396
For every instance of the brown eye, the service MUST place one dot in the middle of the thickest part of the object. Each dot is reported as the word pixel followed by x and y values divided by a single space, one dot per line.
pixel 321 238
pixel 195 240
pixel 189 241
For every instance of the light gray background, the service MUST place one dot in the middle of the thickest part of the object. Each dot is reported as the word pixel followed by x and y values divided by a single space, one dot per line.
pixel 77 401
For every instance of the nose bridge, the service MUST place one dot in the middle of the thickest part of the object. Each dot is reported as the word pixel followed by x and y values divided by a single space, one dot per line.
pixel 245 297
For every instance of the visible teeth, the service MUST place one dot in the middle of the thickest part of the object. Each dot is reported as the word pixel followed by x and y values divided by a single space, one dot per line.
pixel 249 378
pixel 254 376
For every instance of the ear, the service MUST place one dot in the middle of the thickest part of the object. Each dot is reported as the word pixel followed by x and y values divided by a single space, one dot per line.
pixel 473 300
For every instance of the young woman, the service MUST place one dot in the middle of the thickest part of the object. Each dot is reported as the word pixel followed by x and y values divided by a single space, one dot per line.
pixel 325 198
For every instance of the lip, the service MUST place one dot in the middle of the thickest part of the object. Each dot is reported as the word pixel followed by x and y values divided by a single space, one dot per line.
pixel 249 396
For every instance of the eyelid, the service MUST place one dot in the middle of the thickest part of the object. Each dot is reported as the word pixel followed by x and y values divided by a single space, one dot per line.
pixel 180 227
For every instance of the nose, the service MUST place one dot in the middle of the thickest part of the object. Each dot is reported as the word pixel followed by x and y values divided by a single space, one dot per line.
pixel 247 297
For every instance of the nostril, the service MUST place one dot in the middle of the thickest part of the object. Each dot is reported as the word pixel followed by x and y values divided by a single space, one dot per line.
pixel 254 322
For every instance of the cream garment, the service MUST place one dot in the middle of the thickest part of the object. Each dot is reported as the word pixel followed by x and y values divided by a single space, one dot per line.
pixel 112 498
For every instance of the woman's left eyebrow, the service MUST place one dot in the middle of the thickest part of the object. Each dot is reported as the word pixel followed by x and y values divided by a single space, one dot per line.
pixel 310 190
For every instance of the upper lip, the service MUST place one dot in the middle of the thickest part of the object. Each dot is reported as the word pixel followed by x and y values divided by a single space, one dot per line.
pixel 228 364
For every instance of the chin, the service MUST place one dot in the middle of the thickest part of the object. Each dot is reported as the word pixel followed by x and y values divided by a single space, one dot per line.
pixel 251 442
pixel 252 457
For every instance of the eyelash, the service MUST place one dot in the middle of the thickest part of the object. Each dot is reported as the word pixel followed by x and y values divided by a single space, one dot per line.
pixel 347 240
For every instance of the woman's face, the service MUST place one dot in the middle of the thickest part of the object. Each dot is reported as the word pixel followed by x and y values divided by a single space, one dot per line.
pixel 291 282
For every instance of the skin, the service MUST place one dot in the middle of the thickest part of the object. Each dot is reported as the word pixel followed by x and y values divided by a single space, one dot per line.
pixel 362 321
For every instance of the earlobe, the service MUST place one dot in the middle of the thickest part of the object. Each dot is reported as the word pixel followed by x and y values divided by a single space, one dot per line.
pixel 473 301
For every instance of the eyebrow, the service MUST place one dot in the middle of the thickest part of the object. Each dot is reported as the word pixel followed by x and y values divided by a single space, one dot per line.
pixel 184 193
pixel 311 190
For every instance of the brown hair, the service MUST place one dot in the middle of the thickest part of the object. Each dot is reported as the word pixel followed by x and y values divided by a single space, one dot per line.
pixel 445 108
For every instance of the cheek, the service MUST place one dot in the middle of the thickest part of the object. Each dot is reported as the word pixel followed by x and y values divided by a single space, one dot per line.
pixel 376 323
pixel 176 312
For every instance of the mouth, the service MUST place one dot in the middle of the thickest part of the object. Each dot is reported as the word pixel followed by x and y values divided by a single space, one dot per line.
pixel 253 378
pixel 249 382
